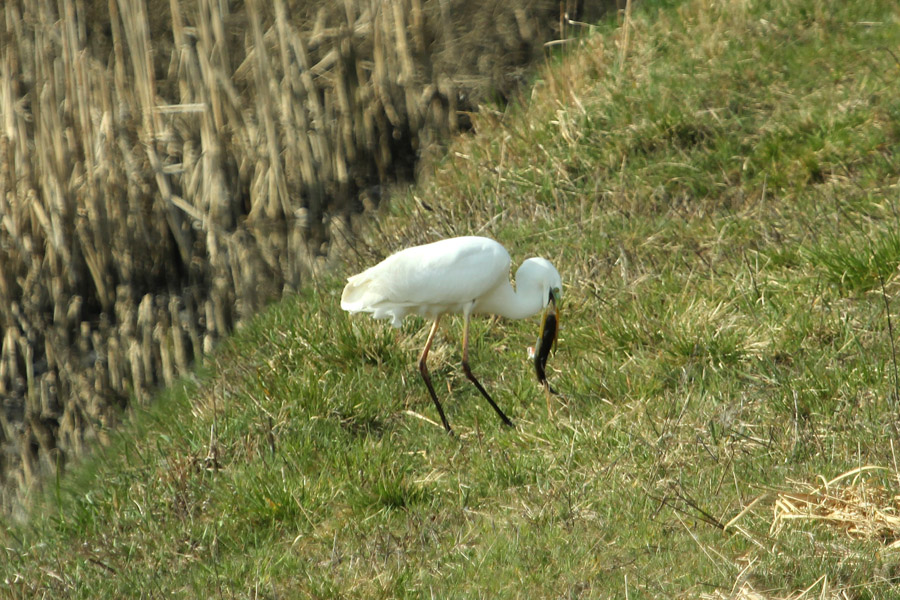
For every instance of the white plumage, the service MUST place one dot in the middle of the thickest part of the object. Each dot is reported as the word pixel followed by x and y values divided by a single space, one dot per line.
pixel 467 275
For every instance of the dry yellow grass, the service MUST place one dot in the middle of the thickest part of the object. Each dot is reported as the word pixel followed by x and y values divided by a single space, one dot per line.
pixel 855 504
pixel 850 503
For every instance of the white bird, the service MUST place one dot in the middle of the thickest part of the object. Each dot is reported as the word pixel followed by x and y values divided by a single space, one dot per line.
pixel 468 275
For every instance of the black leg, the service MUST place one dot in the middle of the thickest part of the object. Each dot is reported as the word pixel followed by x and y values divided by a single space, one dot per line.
pixel 471 376
pixel 423 369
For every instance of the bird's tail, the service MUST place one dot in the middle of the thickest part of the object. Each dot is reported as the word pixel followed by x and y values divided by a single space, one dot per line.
pixel 363 294
pixel 356 296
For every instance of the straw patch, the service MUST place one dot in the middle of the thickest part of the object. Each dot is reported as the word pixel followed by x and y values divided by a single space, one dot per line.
pixel 862 507
pixel 744 592
pixel 821 590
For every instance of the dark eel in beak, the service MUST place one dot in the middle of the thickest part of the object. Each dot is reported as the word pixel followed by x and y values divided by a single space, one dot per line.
pixel 545 343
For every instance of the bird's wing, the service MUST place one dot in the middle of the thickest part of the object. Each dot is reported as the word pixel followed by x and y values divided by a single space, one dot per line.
pixel 450 272
pixel 446 273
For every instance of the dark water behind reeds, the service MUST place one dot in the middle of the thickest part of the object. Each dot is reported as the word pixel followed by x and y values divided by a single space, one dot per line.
pixel 167 167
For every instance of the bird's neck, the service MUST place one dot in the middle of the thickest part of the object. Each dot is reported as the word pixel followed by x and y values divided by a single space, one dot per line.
pixel 509 303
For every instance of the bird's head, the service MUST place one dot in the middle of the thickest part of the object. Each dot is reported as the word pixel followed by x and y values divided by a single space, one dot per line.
pixel 541 273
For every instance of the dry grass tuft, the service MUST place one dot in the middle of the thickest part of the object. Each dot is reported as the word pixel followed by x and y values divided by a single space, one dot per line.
pixel 820 590
pixel 861 508
pixel 857 504
pixel 744 592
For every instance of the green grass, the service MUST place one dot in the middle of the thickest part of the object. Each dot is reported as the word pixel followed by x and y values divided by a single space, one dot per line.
pixel 723 207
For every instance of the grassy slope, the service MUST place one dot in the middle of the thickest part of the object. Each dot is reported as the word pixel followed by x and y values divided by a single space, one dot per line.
pixel 722 204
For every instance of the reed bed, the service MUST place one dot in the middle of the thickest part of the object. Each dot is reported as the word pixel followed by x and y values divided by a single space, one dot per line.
pixel 168 167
